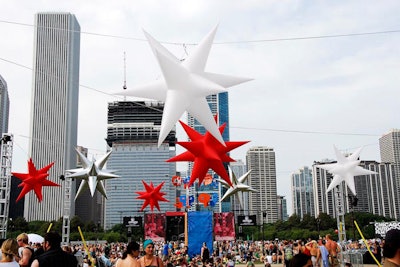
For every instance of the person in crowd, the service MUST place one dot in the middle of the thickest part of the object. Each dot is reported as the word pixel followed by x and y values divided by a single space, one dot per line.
pixel 287 253
pixel 9 250
pixel 300 260
pixel 205 253
pixel 312 246
pixel 25 251
pixel 324 254
pixel 391 248
pixel 130 255
pixel 333 250
pixel 54 255
pixel 149 259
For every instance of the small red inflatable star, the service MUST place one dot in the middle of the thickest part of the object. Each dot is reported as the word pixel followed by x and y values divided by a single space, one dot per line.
pixel 152 195
pixel 206 152
pixel 34 179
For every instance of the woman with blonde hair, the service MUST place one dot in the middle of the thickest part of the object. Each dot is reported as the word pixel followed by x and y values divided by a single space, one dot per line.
pixel 9 250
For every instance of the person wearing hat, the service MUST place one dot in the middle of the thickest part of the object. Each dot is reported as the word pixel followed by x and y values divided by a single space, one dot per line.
pixel 391 248
pixel 149 259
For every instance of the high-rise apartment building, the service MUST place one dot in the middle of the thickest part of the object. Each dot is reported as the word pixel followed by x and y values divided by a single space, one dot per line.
pixel 54 110
pixel 261 161
pixel 4 106
pixel 219 105
pixel 302 192
pixel 376 193
pixel 389 145
pixel 133 130
pixel 282 208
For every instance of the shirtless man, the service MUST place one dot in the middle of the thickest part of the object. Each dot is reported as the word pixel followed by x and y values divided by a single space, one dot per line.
pixel 333 249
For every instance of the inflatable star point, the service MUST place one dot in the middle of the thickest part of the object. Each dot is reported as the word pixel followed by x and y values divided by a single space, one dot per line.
pixel 345 169
pixel 151 196
pixel 92 174
pixel 34 180
pixel 207 153
pixel 185 86
pixel 238 186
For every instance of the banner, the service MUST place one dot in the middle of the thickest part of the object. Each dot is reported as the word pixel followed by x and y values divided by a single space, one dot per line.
pixel 154 226
pixel 133 221
pixel 199 231
pixel 245 220
pixel 224 226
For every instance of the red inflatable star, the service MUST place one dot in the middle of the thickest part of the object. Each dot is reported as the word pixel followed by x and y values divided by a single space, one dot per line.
pixel 152 195
pixel 206 152
pixel 34 179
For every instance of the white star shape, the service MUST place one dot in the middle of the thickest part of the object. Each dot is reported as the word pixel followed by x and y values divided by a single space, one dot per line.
pixel 345 169
pixel 185 86
pixel 238 186
pixel 92 174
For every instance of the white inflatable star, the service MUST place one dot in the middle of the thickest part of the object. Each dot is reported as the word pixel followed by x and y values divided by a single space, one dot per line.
pixel 92 174
pixel 185 86
pixel 238 186
pixel 345 169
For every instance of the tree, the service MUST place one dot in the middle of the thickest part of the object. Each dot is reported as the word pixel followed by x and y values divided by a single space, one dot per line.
pixel 20 224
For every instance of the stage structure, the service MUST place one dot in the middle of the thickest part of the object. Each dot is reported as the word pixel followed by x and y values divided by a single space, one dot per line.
pixel 6 150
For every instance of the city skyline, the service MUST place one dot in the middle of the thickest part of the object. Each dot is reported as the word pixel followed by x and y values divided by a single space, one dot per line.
pixel 311 90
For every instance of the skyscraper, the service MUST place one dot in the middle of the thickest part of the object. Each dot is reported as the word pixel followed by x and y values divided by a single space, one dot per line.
pixel 261 162
pixel 219 106
pixel 390 152
pixel 302 192
pixel 4 106
pixel 133 129
pixel 54 110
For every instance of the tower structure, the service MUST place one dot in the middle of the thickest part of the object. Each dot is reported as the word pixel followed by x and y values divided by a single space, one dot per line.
pixel 261 162
pixel 4 106
pixel 133 130
pixel 389 145
pixel 219 105
pixel 54 110
pixel 302 192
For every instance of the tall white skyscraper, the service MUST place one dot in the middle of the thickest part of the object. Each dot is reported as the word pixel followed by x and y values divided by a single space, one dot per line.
pixel 4 106
pixel 302 192
pixel 261 162
pixel 54 111
pixel 390 152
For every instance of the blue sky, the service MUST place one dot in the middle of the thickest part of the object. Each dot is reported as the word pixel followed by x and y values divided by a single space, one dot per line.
pixel 310 90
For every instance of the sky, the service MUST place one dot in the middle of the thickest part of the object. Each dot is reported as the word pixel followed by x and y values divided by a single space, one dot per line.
pixel 324 73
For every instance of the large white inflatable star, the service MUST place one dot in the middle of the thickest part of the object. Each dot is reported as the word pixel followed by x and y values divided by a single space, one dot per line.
pixel 238 186
pixel 92 174
pixel 185 86
pixel 345 169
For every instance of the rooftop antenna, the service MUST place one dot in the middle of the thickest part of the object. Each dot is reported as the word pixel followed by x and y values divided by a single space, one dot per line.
pixel 124 87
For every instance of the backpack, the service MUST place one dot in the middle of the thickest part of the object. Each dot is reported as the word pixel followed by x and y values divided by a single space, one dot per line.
pixel 288 253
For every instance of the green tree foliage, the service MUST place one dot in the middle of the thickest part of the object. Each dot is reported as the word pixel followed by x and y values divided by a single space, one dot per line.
pixel 20 225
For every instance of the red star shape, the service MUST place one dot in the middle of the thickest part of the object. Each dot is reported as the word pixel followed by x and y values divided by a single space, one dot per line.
pixel 34 179
pixel 206 152
pixel 152 195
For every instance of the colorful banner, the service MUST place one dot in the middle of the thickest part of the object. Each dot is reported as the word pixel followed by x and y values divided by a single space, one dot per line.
pixel 154 226
pixel 224 226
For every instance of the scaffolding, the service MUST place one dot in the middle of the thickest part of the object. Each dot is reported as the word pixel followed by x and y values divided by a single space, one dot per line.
pixel 6 150
pixel 340 211
pixel 66 211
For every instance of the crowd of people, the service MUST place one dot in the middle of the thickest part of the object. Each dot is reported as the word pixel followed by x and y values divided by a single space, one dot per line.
pixel 288 253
